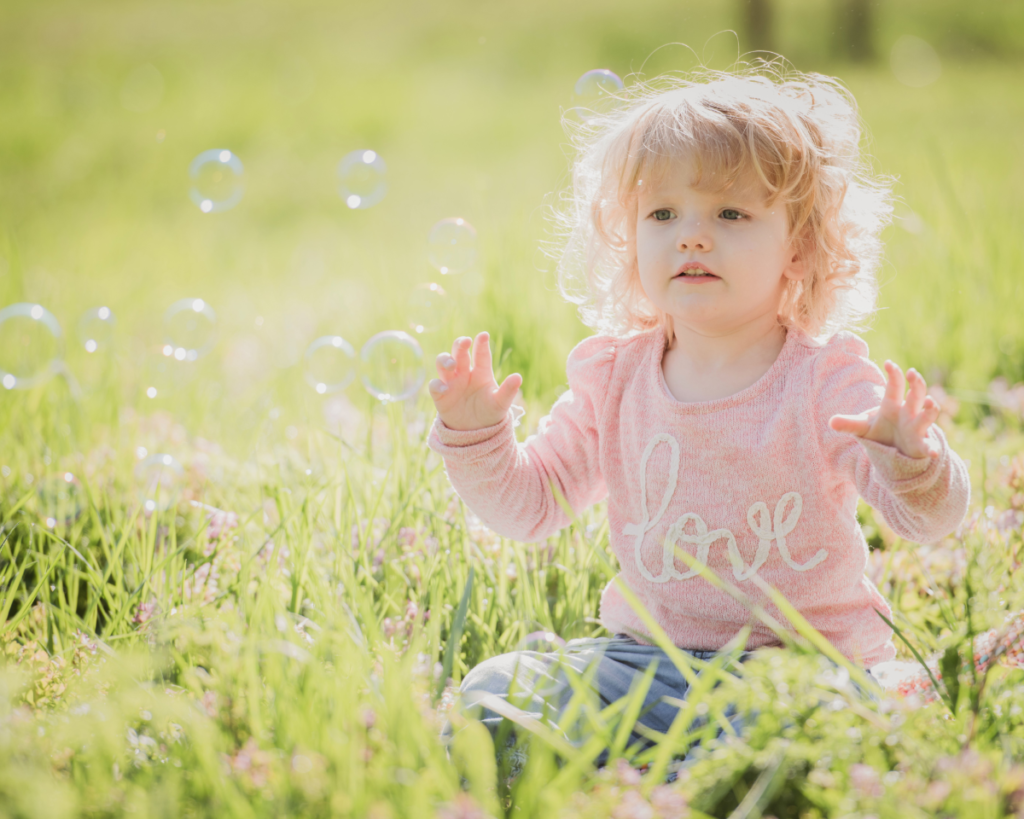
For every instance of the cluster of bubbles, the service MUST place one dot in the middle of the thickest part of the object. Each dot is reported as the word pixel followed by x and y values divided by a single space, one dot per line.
pixel 389 365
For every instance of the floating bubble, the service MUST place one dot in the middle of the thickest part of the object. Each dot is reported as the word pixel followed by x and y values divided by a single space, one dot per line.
pixel 217 180
pixel 96 328
pixel 31 346
pixel 330 364
pixel 160 477
pixel 451 245
pixel 541 641
pixel 596 93
pixel 361 179
pixel 60 499
pixel 190 330
pixel 392 366
pixel 428 304
pixel 914 62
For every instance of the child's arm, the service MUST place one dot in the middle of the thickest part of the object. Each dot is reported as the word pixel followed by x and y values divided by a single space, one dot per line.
pixel 891 448
pixel 513 487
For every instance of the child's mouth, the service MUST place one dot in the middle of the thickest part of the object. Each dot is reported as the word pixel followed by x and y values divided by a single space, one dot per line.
pixel 696 275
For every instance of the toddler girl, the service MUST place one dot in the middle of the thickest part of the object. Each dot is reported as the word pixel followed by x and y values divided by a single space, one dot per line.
pixel 727 233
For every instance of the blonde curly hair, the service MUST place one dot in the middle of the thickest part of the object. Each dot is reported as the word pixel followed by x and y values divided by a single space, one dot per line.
pixel 798 134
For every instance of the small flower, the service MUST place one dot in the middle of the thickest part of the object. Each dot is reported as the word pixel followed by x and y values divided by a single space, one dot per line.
pixel 866 781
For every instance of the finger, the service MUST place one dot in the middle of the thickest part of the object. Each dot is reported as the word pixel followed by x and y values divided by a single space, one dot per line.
pixel 507 391
pixel 445 367
pixel 853 424
pixel 437 389
pixel 482 354
pixel 929 415
pixel 896 384
pixel 918 390
pixel 460 352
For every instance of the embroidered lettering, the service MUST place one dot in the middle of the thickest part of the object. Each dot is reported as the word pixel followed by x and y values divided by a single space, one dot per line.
pixel 768 529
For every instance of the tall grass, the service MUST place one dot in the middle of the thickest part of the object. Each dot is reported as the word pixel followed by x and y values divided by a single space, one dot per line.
pixel 281 633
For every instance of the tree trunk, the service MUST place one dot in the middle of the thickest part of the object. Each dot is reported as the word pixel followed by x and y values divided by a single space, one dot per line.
pixel 757 25
pixel 856 30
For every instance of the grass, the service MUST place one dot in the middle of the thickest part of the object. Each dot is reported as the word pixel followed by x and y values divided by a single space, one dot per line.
pixel 280 634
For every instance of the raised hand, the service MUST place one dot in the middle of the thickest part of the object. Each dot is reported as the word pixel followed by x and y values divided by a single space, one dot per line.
pixel 898 421
pixel 466 394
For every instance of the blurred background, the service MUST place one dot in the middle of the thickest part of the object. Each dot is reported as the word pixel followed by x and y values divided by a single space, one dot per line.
pixel 454 110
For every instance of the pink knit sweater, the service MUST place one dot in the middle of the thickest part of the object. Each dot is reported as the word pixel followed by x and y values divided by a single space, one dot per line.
pixel 756 483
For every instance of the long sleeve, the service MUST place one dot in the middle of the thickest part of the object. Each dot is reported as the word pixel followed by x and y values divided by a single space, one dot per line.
pixel 922 499
pixel 510 486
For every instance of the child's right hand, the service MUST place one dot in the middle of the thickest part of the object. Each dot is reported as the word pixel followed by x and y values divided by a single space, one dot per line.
pixel 466 394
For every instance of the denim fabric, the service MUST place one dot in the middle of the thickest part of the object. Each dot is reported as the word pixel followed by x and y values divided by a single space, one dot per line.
pixel 537 684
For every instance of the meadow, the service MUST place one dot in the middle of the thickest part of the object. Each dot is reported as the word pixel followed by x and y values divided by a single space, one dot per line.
pixel 277 628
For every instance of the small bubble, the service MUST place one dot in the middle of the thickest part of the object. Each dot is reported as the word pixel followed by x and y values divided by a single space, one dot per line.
pixel 329 364
pixel 190 329
pixel 428 307
pixel 451 246
pixel 96 328
pixel 160 476
pixel 31 346
pixel 392 366
pixel 596 93
pixel 362 179
pixel 141 452
pixel 217 180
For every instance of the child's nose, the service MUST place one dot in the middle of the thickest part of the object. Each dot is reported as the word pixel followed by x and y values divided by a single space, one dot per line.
pixel 693 236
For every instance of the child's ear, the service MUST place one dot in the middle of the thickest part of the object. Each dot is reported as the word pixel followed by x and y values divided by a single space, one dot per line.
pixel 796 267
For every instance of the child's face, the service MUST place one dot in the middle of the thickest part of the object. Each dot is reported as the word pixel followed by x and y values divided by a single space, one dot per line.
pixel 741 244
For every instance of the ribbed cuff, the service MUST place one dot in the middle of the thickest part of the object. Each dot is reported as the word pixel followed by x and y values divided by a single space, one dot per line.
pixel 902 474
pixel 448 442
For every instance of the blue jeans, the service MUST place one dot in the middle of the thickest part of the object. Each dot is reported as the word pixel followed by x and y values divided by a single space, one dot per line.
pixel 537 684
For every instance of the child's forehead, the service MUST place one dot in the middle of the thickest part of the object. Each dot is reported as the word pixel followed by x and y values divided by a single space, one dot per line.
pixel 667 174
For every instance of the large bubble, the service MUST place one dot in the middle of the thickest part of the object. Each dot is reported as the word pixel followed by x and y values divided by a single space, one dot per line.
pixel 329 364
pixel 190 329
pixel 96 328
pixel 362 179
pixel 596 93
pixel 160 477
pixel 218 180
pixel 31 346
pixel 392 366
pixel 428 306
pixel 451 246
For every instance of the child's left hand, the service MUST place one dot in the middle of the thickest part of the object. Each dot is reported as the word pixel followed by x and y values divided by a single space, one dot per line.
pixel 902 423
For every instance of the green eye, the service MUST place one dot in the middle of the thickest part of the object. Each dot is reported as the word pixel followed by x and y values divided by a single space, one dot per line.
pixel 731 215
pixel 662 215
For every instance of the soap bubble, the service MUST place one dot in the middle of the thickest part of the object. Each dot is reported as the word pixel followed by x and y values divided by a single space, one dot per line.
pixel 914 62
pixel 31 346
pixel 160 477
pixel 451 245
pixel 596 93
pixel 330 364
pixel 392 366
pixel 190 330
pixel 96 328
pixel 60 499
pixel 361 179
pixel 428 304
pixel 541 641
pixel 217 180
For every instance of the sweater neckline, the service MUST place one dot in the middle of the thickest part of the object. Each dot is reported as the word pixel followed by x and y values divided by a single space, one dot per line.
pixel 778 368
